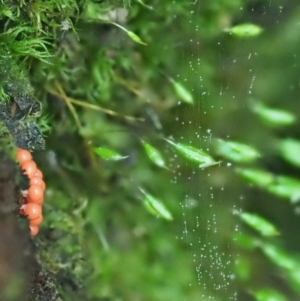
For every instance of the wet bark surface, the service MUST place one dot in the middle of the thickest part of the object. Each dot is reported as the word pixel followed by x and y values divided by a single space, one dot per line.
pixel 17 260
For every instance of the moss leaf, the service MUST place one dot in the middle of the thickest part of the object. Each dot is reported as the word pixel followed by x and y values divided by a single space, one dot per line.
pixel 259 224
pixel 108 154
pixel 193 154
pixel 154 155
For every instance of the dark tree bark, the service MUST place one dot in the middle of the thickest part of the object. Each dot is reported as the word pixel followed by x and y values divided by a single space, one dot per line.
pixel 17 260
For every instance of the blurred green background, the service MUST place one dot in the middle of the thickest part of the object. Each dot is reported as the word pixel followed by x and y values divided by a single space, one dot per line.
pixel 219 76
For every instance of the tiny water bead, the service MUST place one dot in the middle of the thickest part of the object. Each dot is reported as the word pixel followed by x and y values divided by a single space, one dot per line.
pixel 32 198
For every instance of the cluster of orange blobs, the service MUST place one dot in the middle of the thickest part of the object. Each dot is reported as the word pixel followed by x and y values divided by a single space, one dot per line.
pixel 33 198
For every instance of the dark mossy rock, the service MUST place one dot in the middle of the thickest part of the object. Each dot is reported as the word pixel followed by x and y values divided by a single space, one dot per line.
pixel 44 287
pixel 19 107
pixel 25 132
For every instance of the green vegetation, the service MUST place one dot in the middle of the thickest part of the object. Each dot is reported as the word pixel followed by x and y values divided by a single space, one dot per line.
pixel 171 152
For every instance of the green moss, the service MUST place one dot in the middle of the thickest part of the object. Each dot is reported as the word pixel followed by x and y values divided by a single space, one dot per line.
pixel 68 60
pixel 5 136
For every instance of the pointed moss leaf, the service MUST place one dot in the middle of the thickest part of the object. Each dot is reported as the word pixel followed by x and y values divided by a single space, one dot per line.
pixel 259 224
pixel 287 262
pixel 108 154
pixel 245 30
pixel 273 117
pixel 149 208
pixel 278 256
pixel 194 154
pixel 154 155
pixel 281 186
pixel 267 294
pixel 256 176
pixel 131 34
pixel 135 37
pixel 286 187
pixel 155 206
pixel 235 151
pixel 290 151
pixel 182 92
